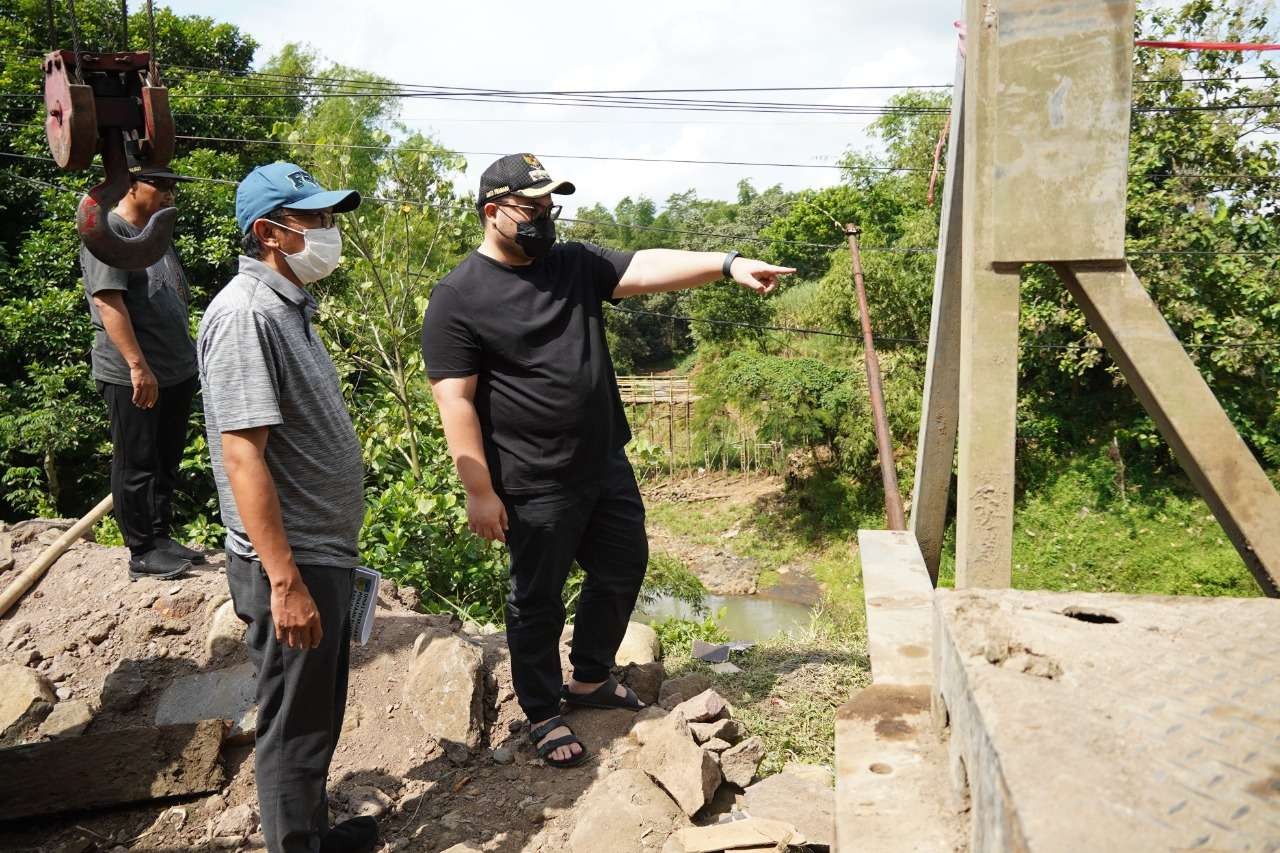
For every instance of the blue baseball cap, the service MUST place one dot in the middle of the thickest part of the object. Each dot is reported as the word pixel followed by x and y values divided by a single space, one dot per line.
pixel 286 185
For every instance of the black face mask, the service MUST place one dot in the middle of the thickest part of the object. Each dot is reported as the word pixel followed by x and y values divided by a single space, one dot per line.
pixel 536 237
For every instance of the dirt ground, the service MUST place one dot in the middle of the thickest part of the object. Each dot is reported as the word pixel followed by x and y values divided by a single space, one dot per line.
pixel 118 644
pixel 721 571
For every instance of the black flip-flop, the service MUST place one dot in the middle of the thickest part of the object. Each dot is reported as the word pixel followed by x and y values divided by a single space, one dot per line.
pixel 551 746
pixel 604 696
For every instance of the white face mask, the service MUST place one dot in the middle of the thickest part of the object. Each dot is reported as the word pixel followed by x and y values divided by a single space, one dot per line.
pixel 319 256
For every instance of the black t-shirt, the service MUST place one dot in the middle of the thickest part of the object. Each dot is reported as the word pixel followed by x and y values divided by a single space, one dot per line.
pixel 547 396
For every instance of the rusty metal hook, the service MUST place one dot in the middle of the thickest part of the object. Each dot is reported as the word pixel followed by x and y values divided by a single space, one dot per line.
pixel 115 250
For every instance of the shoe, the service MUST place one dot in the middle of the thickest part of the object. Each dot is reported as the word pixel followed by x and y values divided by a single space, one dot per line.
pixel 158 564
pixel 358 835
pixel 191 555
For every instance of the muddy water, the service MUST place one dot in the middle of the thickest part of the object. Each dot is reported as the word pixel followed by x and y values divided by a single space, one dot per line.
pixel 743 617
pixel 783 609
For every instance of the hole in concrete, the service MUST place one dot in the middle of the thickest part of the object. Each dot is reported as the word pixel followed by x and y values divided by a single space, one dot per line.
pixel 881 768
pixel 1094 617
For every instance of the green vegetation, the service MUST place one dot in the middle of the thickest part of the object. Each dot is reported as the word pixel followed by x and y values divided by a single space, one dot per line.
pixel 1101 503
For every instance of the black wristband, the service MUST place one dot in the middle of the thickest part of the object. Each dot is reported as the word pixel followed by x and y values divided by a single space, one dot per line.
pixel 728 262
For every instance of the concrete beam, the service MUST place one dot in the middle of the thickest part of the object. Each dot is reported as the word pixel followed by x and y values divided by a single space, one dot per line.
pixel 988 332
pixel 899 598
pixel 1064 80
pixel 939 420
pixel 891 768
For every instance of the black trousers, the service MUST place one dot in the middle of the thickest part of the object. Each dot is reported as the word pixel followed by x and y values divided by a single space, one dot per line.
pixel 302 694
pixel 601 525
pixel 146 448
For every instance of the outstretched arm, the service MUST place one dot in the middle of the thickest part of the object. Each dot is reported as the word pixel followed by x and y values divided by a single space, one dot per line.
pixel 660 270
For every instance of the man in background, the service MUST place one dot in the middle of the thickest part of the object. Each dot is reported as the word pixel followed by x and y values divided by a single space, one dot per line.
pixel 144 365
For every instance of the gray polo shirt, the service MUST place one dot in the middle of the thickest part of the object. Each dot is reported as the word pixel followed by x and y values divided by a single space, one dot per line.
pixel 156 299
pixel 262 364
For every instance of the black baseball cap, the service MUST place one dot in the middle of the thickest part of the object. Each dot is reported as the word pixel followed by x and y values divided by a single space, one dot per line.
pixel 139 171
pixel 518 174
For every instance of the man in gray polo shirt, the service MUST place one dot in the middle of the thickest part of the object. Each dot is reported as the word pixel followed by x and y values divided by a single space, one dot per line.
pixel 290 483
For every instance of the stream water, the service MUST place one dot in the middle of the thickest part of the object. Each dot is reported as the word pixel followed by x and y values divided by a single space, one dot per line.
pixel 743 617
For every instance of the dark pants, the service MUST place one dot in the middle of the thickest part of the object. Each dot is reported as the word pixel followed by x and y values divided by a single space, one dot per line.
pixel 601 525
pixel 146 448
pixel 301 698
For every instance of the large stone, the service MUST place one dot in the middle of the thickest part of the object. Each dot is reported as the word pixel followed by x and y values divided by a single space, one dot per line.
pixel 226 631
pixel 26 532
pixel 124 687
pixel 646 721
pixel 26 698
pixel 819 773
pixel 624 812
pixel 752 833
pixel 725 729
pixel 224 694
pixel 68 719
pixel 445 688
pixel 676 690
pixel 639 645
pixel 236 823
pixel 805 804
pixel 645 679
pixel 706 707
pixel 6 552
pixel 739 763
pixel 178 604
pixel 689 773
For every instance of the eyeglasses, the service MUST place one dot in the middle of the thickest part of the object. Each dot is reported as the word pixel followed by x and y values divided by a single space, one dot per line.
pixel 552 212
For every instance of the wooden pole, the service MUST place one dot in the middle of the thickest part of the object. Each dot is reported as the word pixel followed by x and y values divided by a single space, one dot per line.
pixel 32 573
pixel 884 442
pixel 671 436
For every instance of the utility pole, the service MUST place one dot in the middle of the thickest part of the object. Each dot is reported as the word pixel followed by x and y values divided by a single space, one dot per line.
pixel 884 441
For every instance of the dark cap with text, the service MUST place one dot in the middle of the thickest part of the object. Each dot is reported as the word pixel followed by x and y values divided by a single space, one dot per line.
pixel 518 174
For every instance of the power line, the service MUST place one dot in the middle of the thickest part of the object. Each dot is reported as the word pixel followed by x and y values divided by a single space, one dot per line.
pixel 250 74
pixel 408 150
pixel 723 236
pixel 603 157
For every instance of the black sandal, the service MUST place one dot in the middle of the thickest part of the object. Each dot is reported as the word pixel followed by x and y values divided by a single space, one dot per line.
pixel 545 749
pixel 604 696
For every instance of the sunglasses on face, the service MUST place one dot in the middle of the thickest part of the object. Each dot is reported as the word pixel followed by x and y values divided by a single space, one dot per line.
pixel 552 212
pixel 164 185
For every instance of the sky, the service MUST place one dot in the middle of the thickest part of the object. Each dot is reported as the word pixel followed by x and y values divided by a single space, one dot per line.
pixel 573 44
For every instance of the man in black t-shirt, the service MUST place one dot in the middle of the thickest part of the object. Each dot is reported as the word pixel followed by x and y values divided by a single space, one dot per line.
pixel 514 342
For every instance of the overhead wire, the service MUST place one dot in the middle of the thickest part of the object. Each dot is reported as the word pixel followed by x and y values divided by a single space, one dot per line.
pixel 720 235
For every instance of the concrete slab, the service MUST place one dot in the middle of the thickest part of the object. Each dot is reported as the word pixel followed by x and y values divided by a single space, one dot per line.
pixel 891 782
pixel 899 597
pixel 1108 722
pixel 891 767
